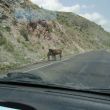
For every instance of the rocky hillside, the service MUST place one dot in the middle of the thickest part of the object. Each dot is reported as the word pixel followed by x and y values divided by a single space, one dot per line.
pixel 27 32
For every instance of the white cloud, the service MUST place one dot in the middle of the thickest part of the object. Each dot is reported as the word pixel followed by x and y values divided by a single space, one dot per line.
pixel 88 6
pixel 94 17
pixel 56 5
pixel 97 18
pixel 75 9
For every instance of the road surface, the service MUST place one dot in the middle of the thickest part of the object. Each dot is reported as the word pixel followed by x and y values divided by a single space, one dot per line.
pixel 91 69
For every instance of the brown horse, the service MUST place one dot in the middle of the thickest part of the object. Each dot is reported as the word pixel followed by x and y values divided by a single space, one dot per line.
pixel 53 53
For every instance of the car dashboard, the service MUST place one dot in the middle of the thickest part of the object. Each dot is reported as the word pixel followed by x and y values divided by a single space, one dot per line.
pixel 38 98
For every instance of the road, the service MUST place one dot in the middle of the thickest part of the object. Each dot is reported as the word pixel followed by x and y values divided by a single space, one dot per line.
pixel 91 69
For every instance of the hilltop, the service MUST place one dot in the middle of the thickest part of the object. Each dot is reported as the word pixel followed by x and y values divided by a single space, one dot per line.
pixel 28 31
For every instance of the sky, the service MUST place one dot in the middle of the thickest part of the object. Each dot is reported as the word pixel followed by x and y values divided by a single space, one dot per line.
pixel 94 10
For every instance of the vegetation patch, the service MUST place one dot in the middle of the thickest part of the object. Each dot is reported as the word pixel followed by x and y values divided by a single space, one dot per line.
pixel 4 67
pixel 8 46
pixel 24 33
pixel 7 28
pixel 2 39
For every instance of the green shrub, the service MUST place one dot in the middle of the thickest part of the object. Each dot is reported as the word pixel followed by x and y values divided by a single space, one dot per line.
pixel 24 33
pixel 2 39
pixel 7 28
pixel 49 29
pixel 14 22
pixel 4 67
pixel 9 46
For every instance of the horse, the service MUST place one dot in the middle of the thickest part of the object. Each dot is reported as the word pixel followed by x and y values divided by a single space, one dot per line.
pixel 53 53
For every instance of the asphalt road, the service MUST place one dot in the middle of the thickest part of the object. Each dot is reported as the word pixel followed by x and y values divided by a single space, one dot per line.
pixel 91 69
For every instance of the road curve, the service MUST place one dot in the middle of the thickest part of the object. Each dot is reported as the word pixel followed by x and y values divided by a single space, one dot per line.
pixel 91 69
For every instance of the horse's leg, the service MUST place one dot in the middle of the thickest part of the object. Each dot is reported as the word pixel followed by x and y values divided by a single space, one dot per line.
pixel 55 57
pixel 52 57
pixel 48 57
pixel 60 56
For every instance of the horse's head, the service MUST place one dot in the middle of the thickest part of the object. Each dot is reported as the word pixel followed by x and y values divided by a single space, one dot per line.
pixel 51 51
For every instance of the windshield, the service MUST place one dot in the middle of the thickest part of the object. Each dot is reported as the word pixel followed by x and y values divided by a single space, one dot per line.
pixel 57 42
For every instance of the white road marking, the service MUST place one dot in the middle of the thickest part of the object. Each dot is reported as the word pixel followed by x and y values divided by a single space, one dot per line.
pixel 83 69
pixel 46 65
